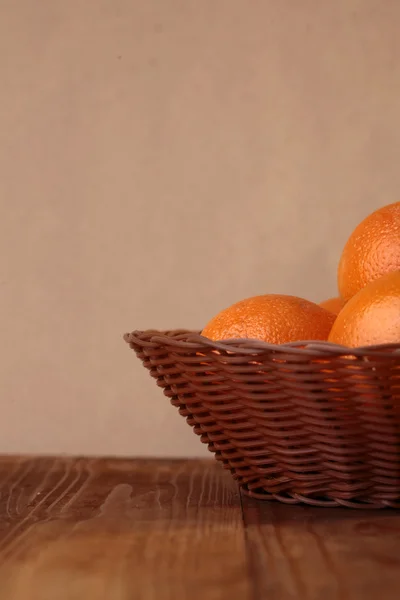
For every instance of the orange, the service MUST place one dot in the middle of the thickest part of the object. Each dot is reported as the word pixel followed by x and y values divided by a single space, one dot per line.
pixel 372 316
pixel 273 318
pixel 334 305
pixel 372 250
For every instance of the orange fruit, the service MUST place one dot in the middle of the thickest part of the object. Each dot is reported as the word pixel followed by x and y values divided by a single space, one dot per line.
pixel 273 318
pixel 372 316
pixel 372 250
pixel 334 305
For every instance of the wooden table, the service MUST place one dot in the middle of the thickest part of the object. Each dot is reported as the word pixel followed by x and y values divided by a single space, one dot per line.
pixel 77 529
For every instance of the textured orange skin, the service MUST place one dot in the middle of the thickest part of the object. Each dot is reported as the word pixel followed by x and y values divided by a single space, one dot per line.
pixel 372 250
pixel 334 305
pixel 273 318
pixel 372 316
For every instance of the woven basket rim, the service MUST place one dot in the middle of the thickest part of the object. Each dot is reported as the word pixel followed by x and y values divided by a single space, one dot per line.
pixel 192 340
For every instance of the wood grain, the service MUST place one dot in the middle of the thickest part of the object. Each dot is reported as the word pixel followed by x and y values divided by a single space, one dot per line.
pixel 305 553
pixel 77 529
pixel 120 530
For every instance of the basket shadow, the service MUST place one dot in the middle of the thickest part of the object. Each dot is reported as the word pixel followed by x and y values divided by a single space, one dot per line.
pixel 258 512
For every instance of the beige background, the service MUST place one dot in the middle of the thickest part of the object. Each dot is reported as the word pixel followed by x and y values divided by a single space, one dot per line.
pixel 159 160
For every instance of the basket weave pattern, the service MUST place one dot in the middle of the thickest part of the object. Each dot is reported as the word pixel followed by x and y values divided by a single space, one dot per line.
pixel 302 422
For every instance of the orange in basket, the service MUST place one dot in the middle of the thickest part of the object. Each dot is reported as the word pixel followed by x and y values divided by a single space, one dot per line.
pixel 272 318
pixel 372 316
pixel 372 250
pixel 334 305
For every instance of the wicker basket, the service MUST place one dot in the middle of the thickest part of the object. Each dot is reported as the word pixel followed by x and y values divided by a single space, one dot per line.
pixel 303 422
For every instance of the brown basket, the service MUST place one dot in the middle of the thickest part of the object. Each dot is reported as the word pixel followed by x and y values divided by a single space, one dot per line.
pixel 302 422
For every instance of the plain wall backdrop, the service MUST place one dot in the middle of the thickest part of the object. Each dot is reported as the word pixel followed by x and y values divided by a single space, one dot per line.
pixel 160 160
